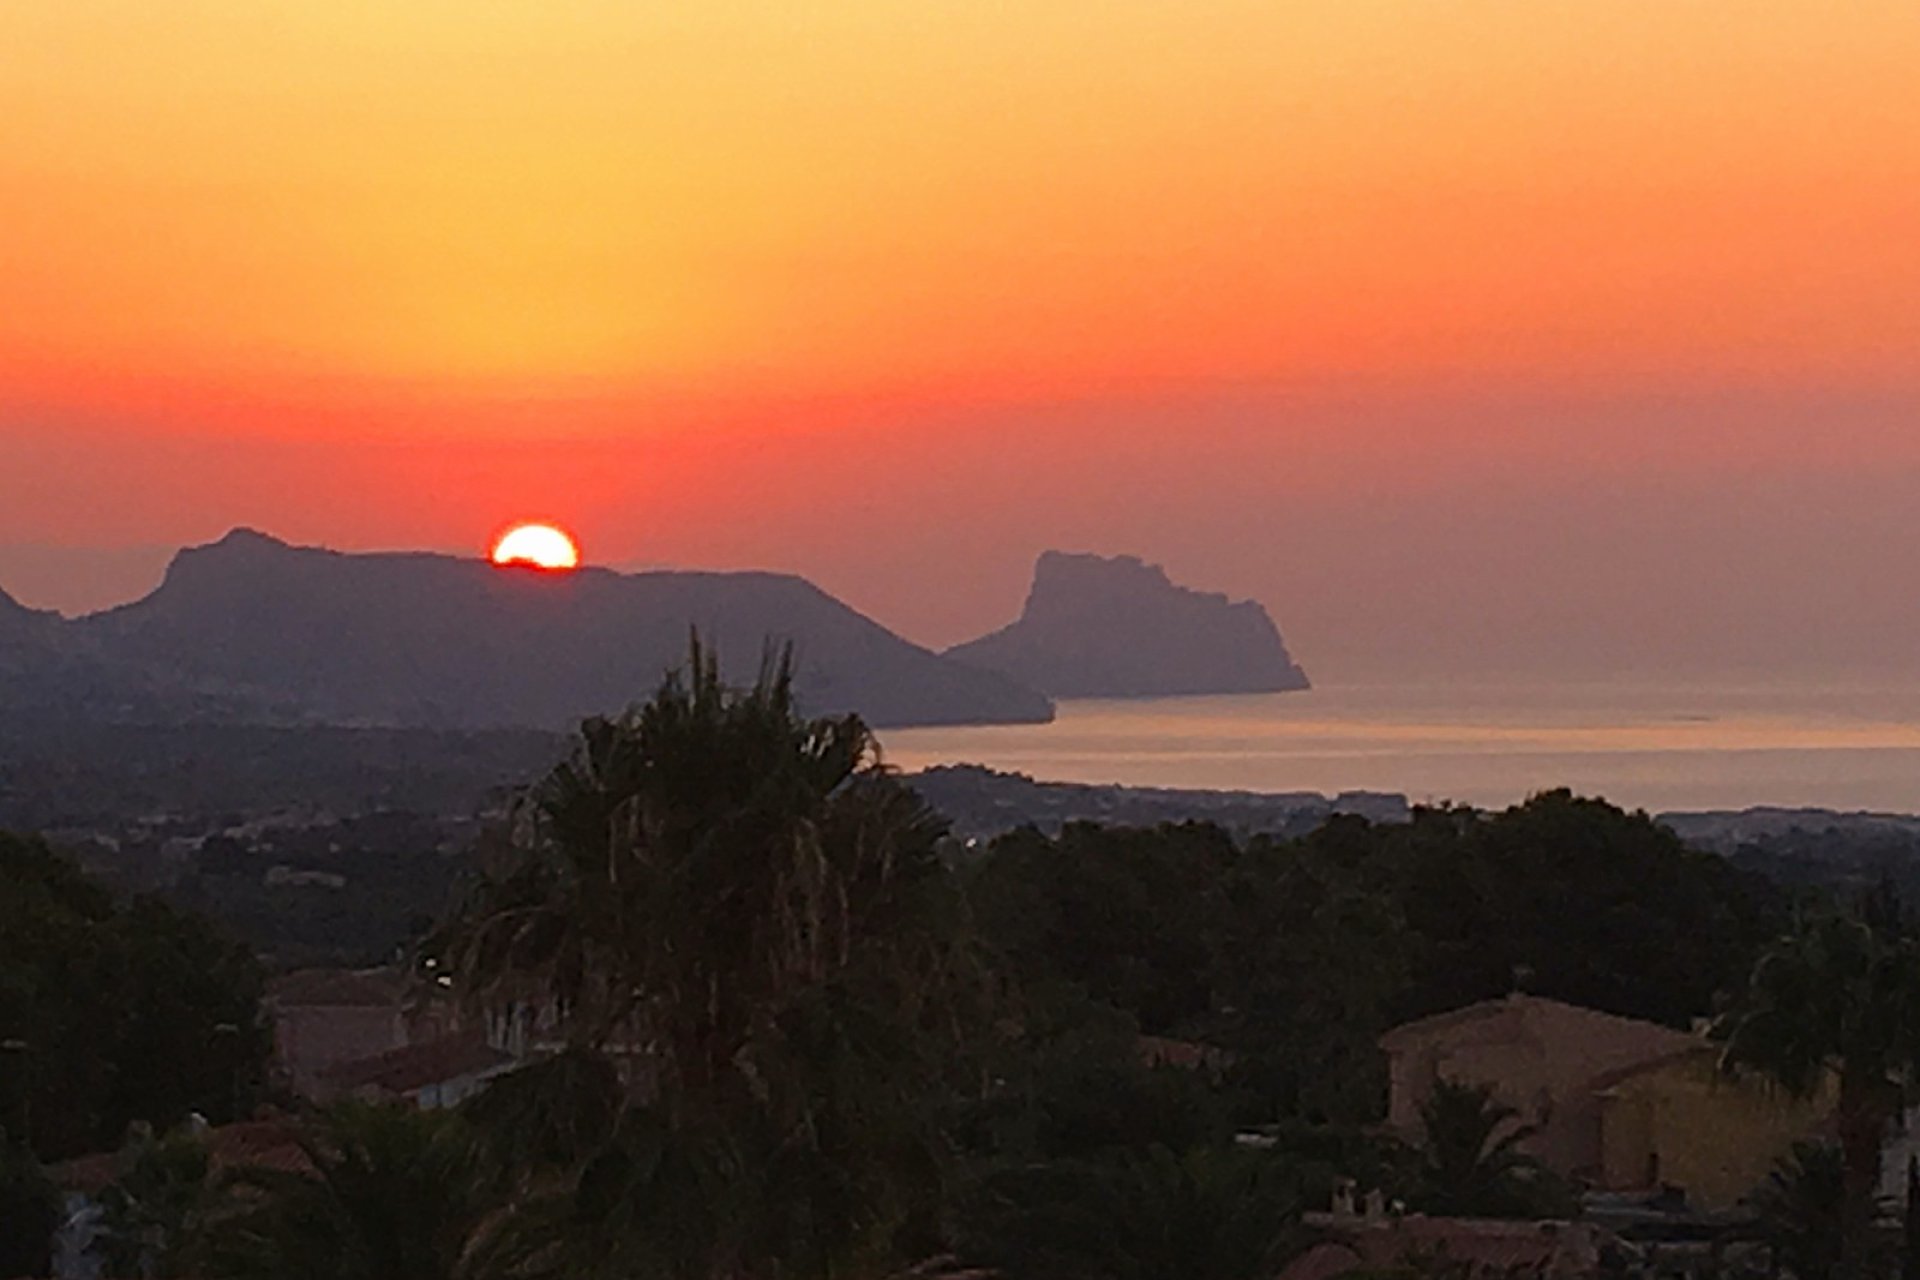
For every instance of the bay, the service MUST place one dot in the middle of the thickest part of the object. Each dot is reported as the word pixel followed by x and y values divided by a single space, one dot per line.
pixel 1659 746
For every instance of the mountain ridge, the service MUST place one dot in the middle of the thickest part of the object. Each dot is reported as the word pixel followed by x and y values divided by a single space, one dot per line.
pixel 432 640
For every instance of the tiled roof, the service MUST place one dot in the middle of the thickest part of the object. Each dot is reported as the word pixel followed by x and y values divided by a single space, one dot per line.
pixel 417 1066
pixel 337 988
pixel 1620 1075
pixel 259 1144
pixel 1524 1005
pixel 251 1144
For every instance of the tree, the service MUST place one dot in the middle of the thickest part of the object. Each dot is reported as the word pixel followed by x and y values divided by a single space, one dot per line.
pixel 743 908
pixel 153 1210
pixel 1124 912
pixel 1072 1083
pixel 29 1212
pixel 113 1014
pixel 1602 908
pixel 1802 1211
pixel 1306 960
pixel 1837 1000
pixel 1296 954
pixel 190 1038
pixel 1278 951
pixel 389 1193
pixel 1472 1162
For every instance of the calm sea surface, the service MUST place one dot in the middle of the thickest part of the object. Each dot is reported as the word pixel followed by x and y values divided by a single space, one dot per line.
pixel 1654 747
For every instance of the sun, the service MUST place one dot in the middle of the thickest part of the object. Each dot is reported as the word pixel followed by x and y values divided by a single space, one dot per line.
pixel 542 546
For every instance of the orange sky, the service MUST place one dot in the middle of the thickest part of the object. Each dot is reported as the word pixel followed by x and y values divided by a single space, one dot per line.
pixel 977 277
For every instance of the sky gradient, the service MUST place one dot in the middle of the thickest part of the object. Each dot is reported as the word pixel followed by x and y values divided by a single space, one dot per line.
pixel 1497 334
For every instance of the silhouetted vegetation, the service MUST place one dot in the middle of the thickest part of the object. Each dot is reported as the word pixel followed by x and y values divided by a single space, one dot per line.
pixel 1295 955
pixel 386 1194
pixel 789 1028
pixel 1836 1001
pixel 1803 1211
pixel 115 1012
pixel 29 1211
pixel 1471 1162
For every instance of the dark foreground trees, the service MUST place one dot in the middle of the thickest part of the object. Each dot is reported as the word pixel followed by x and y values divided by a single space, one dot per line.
pixel 387 1194
pixel 1471 1161
pixel 778 1037
pixel 1835 1003
pixel 1802 1210
pixel 1297 954
pixel 29 1212
pixel 740 914
pixel 113 1013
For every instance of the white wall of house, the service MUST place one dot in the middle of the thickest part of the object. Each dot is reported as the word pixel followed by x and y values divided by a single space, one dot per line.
pixel 453 1092
pixel 1901 1145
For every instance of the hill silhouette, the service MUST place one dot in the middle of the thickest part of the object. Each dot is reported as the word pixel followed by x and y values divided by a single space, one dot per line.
pixel 29 647
pixel 52 673
pixel 1117 627
pixel 18 620
pixel 415 639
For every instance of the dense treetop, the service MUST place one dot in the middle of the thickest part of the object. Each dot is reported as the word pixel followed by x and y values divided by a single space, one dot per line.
pixel 111 1012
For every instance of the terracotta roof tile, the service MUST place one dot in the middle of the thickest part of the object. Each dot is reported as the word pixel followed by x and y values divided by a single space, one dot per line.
pixel 1518 1003
pixel 251 1144
pixel 416 1066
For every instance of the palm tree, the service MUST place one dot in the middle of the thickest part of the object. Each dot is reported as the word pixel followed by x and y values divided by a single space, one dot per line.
pixel 389 1193
pixel 694 863
pixel 152 1211
pixel 1802 1211
pixel 1836 1001
pixel 1471 1157
pixel 747 912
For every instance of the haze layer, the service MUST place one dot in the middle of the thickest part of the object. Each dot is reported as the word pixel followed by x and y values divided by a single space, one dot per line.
pixel 1488 334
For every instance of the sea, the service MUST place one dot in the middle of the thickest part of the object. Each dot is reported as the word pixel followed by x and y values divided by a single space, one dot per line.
pixel 1659 747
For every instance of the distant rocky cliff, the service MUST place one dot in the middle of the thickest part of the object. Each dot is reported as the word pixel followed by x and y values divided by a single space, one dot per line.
pixel 1117 627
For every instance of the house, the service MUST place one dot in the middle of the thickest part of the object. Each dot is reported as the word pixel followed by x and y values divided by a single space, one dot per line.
pixel 1540 1057
pixel 326 1016
pixel 1620 1104
pixel 1899 1152
pixel 1680 1121
pixel 442 1072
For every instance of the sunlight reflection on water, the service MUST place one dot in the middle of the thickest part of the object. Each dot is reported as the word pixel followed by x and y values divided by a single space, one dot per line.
pixel 1657 747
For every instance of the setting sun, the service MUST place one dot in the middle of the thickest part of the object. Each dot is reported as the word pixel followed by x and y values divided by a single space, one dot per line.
pixel 542 546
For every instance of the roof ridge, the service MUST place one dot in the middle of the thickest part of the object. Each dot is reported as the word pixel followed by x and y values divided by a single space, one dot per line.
pixel 1513 1000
